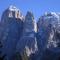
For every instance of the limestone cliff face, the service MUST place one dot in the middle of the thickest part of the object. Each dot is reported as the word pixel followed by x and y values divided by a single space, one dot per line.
pixel 48 25
pixel 21 34
pixel 48 34
pixel 17 33
pixel 28 40
pixel 11 30
pixel 12 12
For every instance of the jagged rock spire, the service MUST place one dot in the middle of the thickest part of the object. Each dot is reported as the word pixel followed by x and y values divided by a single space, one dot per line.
pixel 29 15
pixel 29 22
pixel 15 12
pixel 12 12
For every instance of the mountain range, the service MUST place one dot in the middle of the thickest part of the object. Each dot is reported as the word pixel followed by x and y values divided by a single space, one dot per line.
pixel 22 38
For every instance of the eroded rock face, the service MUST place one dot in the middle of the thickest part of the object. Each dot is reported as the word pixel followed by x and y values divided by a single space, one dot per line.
pixel 17 34
pixel 22 38
pixel 28 41
pixel 48 35
pixel 11 31
pixel 12 12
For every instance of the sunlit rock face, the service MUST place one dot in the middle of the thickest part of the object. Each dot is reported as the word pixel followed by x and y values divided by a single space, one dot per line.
pixel 17 33
pixel 28 40
pixel 12 12
pixel 48 32
pixel 11 30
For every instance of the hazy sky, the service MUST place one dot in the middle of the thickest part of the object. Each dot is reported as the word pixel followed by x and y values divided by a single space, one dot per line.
pixel 38 7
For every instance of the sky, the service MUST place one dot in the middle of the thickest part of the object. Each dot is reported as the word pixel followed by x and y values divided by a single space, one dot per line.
pixel 38 7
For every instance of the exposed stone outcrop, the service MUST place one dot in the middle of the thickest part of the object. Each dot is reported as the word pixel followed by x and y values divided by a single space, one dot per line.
pixel 23 38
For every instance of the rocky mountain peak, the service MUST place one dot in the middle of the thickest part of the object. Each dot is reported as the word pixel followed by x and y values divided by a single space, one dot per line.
pixel 29 15
pixel 52 14
pixel 13 8
pixel 12 12
pixel 15 12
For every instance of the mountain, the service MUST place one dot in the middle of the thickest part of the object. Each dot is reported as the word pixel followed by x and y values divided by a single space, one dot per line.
pixel 22 38
pixel 17 33
pixel 28 40
pixel 11 30
pixel 48 34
